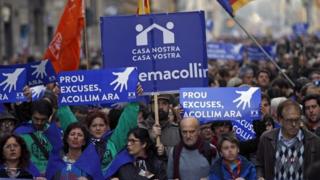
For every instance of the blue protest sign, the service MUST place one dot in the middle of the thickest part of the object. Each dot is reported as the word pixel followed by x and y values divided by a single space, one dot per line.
pixel 40 73
pixel 300 29
pixel 240 105
pixel 168 49
pixel 12 82
pixel 37 92
pixel 225 51
pixel 98 86
pixel 255 53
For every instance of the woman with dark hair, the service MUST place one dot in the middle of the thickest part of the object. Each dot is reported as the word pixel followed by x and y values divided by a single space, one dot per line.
pixel 73 162
pixel 147 161
pixel 109 143
pixel 15 159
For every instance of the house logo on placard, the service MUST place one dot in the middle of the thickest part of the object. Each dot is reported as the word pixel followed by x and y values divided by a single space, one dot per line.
pixel 142 37
pixel 168 50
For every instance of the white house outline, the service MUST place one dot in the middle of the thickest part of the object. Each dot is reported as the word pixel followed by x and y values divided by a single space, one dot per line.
pixel 142 37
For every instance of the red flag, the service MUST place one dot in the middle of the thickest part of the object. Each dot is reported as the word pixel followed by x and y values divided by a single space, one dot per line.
pixel 64 48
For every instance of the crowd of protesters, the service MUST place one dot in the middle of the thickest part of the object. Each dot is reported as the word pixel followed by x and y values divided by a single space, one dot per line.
pixel 42 140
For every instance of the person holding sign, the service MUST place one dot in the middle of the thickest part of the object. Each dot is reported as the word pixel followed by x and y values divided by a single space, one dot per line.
pixel 78 160
pixel 231 165
pixel 15 159
pixel 37 131
pixel 167 131
pixel 109 143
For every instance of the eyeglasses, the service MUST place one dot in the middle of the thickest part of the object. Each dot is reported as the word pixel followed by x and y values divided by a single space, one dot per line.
pixel 133 141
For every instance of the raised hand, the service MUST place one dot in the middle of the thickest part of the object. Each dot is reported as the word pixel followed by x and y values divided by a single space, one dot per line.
pixel 122 79
pixel 40 69
pixel 11 81
pixel 245 97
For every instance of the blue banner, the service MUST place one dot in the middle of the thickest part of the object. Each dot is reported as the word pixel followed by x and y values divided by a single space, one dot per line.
pixel 168 49
pixel 240 105
pixel 255 53
pixel 300 29
pixel 98 86
pixel 225 51
pixel 12 82
pixel 38 73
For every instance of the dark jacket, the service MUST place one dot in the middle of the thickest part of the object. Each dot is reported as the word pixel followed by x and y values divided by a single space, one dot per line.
pixel 267 151
pixel 154 165
pixel 247 170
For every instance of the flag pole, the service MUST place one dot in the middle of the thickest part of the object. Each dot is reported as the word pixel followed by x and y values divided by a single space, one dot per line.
pixel 85 35
pixel 264 52
pixel 144 8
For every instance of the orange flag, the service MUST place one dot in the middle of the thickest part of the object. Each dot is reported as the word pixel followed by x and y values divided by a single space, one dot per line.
pixel 64 48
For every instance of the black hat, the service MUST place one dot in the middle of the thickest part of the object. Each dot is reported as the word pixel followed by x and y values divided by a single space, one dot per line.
pixel 5 115
pixel 165 97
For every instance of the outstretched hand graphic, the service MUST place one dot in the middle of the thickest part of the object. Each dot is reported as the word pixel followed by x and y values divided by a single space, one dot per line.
pixel 122 79
pixel 11 81
pixel 37 91
pixel 40 69
pixel 245 97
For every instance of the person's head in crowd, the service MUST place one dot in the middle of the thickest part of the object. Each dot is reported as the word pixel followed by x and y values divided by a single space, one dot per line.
pixel 265 104
pixel 311 109
pixel 206 132
pixel 314 75
pixel 190 131
pixel 268 122
pixel 7 123
pixel 51 98
pixel 247 75
pixel 142 115
pixel 286 61
pixel 172 117
pixel 263 79
pixel 139 143
pixel 220 127
pixel 234 82
pixel 97 123
pixel 224 77
pixel 275 102
pixel 80 112
pixel 76 138
pixel 282 85
pixel 313 171
pixel 14 151
pixel 228 146
pixel 289 116
pixel 299 84
pixel 310 88
pixel 41 111
pixel 113 117
pixel 164 106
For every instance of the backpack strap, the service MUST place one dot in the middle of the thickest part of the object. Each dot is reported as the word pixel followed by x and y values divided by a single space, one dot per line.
pixel 41 146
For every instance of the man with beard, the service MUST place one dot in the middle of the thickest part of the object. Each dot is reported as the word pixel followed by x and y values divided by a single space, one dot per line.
pixel 168 131
pixel 311 108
